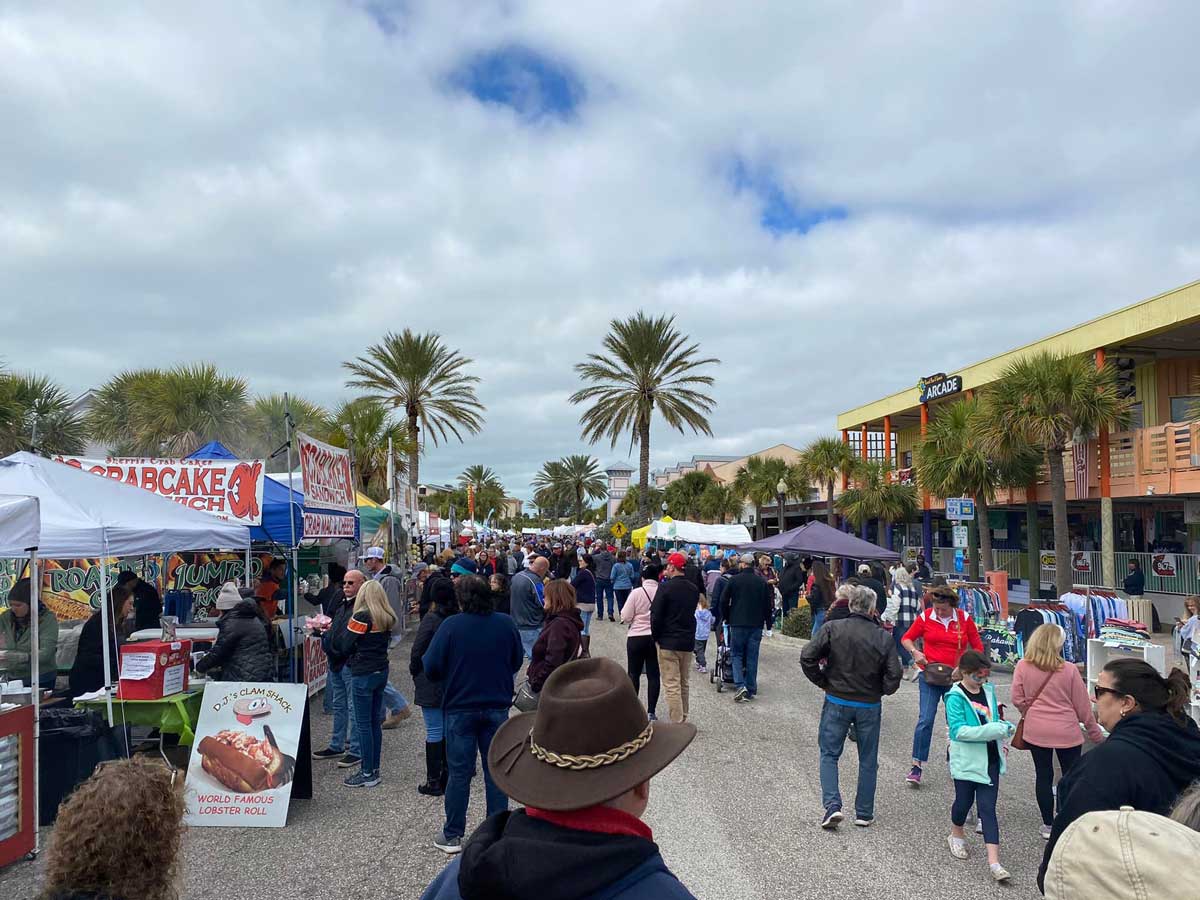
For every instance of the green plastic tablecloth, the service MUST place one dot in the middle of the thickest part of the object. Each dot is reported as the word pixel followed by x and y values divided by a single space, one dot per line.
pixel 176 714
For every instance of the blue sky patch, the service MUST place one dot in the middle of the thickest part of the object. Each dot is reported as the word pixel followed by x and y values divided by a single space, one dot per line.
pixel 535 86
pixel 780 212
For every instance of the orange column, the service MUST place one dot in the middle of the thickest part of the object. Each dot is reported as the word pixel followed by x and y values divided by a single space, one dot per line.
pixel 845 442
pixel 887 442
pixel 924 426
pixel 862 450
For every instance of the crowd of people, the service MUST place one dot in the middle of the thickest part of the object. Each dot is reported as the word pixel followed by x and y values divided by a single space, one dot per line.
pixel 581 750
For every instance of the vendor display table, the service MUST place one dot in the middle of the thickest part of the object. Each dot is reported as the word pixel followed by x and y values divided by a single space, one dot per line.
pixel 191 633
pixel 174 714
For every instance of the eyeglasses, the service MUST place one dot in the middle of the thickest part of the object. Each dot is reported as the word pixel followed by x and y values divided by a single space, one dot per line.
pixel 1098 692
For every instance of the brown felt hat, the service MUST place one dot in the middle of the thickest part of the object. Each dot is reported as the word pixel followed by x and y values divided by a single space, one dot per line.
pixel 588 742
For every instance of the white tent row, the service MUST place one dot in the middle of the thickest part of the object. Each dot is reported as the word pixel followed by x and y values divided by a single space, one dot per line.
pixel 698 533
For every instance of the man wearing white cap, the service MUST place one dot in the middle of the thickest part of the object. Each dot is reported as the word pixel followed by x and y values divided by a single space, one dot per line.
pixel 374 565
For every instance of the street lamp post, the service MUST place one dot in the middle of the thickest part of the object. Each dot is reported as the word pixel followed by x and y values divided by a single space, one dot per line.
pixel 781 491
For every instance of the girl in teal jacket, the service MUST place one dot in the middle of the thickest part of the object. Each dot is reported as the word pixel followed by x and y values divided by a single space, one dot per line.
pixel 977 739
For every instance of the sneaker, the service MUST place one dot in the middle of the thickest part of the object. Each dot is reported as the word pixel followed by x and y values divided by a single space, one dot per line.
pixel 958 847
pixel 328 753
pixel 750 698
pixel 612 618
pixel 914 777
pixel 833 818
pixel 394 720
pixel 704 670
pixel 979 827
pixel 999 873
pixel 1044 831
pixel 863 822
pixel 448 845
pixel 740 695
pixel 349 761
pixel 362 779
pixel 652 717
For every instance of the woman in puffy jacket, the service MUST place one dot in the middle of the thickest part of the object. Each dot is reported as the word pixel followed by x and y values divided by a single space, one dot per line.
pixel 242 651
pixel 428 693
pixel 560 640
pixel 639 646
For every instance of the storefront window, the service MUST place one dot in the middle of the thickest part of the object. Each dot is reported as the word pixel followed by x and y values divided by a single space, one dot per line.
pixel 1183 409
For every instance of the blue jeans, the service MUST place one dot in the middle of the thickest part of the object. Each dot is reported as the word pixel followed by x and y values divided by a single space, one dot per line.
pixel 931 696
pixel 368 717
pixel 818 620
pixel 466 732
pixel 743 645
pixel 434 721
pixel 393 700
pixel 587 621
pixel 605 593
pixel 343 711
pixel 905 656
pixel 529 637
pixel 835 723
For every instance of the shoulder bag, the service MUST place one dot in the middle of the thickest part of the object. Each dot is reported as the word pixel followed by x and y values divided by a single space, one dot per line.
pixel 940 674
pixel 1018 739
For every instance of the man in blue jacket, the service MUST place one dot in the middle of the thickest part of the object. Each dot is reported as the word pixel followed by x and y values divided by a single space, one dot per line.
pixel 581 764
pixel 474 655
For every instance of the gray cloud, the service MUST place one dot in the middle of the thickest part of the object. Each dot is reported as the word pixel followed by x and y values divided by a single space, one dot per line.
pixel 272 185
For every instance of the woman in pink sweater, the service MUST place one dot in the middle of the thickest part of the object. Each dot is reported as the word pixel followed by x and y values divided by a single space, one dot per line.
pixel 1052 717
pixel 639 646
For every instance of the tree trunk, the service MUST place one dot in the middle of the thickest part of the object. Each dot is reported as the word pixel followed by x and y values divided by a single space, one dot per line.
pixel 578 506
pixel 830 515
pixel 1062 537
pixel 414 454
pixel 985 533
pixel 643 437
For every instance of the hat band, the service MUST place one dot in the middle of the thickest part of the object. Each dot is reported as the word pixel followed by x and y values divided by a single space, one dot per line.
pixel 596 761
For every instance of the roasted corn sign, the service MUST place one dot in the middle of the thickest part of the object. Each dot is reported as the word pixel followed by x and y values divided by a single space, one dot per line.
pixel 231 490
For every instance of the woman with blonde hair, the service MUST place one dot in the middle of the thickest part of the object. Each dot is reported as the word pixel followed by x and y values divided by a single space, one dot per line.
pixel 364 643
pixel 1053 701
pixel 561 637
pixel 118 835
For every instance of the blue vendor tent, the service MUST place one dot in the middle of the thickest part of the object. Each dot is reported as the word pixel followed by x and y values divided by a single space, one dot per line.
pixel 275 526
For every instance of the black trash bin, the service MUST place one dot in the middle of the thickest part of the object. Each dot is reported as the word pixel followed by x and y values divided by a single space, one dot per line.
pixel 73 741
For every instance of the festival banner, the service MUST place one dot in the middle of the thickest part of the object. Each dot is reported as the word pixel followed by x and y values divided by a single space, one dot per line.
pixel 325 472
pixel 244 756
pixel 328 525
pixel 231 490
pixel 316 664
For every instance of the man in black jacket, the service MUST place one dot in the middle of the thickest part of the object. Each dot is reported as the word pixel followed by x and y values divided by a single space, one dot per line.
pixel 854 661
pixel 866 577
pixel 673 625
pixel 748 608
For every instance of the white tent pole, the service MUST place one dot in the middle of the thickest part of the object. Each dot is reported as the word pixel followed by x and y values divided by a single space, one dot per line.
pixel 105 624
pixel 287 424
pixel 35 610
pixel 246 575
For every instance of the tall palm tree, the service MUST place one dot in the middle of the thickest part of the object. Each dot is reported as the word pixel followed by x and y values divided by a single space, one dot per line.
pixel 875 495
pixel 581 479
pixel 719 502
pixel 825 460
pixel 35 414
pixel 683 495
pixel 952 461
pixel 266 431
pixel 489 492
pixel 1045 401
pixel 758 481
pixel 428 380
pixel 647 365
pixel 369 424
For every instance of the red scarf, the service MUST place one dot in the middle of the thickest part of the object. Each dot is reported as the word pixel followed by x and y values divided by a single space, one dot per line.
pixel 600 819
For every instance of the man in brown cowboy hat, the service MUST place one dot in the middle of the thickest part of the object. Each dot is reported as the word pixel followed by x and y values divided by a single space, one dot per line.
pixel 581 765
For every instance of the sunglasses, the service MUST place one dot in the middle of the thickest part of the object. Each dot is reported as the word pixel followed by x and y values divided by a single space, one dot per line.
pixel 1098 692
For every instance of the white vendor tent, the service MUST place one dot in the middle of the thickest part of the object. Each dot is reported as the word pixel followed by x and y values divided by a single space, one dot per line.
pixel 19 525
pixel 698 533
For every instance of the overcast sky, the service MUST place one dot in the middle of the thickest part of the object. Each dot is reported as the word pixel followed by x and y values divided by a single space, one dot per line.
pixel 832 203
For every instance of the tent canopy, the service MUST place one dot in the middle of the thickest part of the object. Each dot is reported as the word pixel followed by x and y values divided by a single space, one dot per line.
pixel 87 515
pixel 818 539
pixel 668 529
pixel 278 504
pixel 20 525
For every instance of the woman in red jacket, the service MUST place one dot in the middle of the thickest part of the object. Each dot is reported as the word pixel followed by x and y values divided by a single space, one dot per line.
pixel 945 632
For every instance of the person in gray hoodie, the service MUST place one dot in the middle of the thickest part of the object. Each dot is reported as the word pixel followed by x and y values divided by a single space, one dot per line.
pixel 527 599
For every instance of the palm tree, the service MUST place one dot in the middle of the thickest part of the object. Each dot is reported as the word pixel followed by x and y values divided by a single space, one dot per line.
pixel 719 502
pixel 489 492
pixel 548 486
pixel 1044 402
pixel 111 416
pixel 266 432
pixel 952 461
pixel 683 495
pixel 578 477
pixel 35 414
pixel 875 495
pixel 758 481
pixel 630 503
pixel 647 365
pixel 419 373
pixel 825 460
pixel 364 425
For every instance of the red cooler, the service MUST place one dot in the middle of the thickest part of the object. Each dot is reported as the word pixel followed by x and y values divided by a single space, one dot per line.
pixel 151 670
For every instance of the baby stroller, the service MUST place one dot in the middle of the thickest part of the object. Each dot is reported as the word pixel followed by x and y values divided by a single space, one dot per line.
pixel 722 670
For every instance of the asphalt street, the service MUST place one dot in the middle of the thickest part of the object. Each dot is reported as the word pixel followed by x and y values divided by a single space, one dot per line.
pixel 736 816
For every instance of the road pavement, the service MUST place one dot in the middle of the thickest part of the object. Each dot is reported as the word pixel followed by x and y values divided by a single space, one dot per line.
pixel 735 816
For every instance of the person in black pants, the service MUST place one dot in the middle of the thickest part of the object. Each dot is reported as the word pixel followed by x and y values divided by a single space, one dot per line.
pixel 640 649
